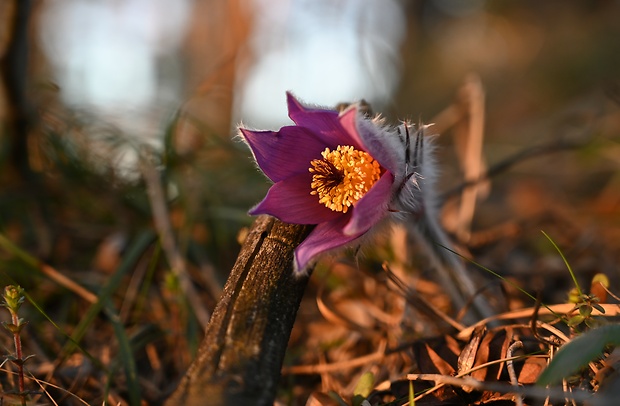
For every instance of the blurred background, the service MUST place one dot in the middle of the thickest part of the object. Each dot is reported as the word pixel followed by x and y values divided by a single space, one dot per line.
pixel 105 81
pixel 112 110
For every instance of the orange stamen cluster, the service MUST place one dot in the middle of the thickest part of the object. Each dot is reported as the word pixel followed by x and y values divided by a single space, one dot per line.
pixel 343 176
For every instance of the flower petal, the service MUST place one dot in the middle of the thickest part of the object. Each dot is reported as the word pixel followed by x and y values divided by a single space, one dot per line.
pixel 290 201
pixel 324 237
pixel 325 123
pixel 281 154
pixel 375 140
pixel 372 207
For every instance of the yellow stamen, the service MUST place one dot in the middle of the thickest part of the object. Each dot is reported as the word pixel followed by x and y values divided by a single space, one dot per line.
pixel 343 176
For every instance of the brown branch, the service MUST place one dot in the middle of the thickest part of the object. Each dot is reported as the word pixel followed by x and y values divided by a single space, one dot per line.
pixel 239 360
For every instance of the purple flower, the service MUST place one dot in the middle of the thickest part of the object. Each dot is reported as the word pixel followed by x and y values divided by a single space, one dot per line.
pixel 339 171
pixel 345 172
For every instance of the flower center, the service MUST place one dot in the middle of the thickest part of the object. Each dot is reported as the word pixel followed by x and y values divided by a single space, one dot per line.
pixel 343 176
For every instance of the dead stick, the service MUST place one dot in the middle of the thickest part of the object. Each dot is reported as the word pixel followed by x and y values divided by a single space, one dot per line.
pixel 239 360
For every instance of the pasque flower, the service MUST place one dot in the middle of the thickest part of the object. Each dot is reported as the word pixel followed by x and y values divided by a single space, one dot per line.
pixel 345 172
pixel 342 171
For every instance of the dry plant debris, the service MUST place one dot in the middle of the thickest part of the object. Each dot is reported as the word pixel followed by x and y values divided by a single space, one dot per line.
pixel 359 328
pixel 108 314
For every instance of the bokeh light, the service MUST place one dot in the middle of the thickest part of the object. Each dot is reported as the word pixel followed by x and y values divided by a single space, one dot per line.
pixel 325 51
pixel 107 56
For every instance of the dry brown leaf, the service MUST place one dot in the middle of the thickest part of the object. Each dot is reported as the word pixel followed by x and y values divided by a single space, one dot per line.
pixel 439 364
pixel 531 369
pixel 492 347
pixel 467 357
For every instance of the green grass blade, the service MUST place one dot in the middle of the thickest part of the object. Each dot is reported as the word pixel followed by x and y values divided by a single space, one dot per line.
pixel 129 260
pixel 125 355
pixel 514 285
pixel 10 247
pixel 92 358
pixel 570 270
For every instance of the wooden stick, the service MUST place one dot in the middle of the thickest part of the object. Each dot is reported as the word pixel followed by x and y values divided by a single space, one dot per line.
pixel 239 360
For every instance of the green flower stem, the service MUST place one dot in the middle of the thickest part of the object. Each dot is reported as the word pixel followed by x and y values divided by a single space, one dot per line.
pixel 19 355
pixel 13 299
